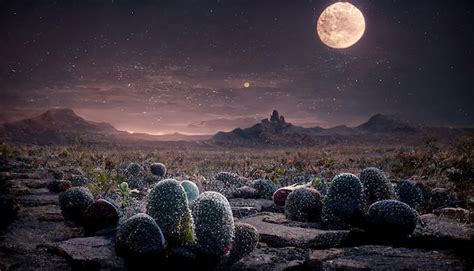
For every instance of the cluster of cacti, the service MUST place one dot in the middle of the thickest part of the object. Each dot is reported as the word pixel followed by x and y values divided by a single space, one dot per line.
pixel 264 187
pixel 213 224
pixel 168 205
pixel 303 204
pixel 391 219
pixel 376 185
pixel 74 202
pixel 344 203
pixel 140 236
pixel 409 193
pixel 191 189
pixel 226 183
pixel 245 241
pixel 158 169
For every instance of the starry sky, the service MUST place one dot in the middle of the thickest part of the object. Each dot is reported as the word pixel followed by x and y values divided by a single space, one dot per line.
pixel 162 66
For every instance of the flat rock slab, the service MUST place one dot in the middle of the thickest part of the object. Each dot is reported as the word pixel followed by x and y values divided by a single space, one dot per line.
pixel 259 204
pixel 90 253
pixel 440 230
pixel 382 258
pixel 38 200
pixel 278 235
pixel 269 259
pixel 240 212
pixel 30 183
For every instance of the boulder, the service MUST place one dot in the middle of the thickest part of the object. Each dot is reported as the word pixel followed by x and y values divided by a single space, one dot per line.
pixel 100 215
pixel 268 259
pixel 278 235
pixel 455 214
pixel 91 253
pixel 373 257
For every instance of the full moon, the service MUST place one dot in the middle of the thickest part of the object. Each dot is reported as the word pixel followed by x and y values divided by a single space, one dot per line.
pixel 341 25
pixel 246 85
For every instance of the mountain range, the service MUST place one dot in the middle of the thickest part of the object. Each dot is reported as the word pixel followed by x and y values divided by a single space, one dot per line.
pixel 64 126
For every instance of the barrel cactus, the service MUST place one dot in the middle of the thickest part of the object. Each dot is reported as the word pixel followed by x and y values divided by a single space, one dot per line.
pixel 74 202
pixel 344 203
pixel 376 185
pixel 409 193
pixel 245 241
pixel 133 170
pixel 229 178
pixel 139 236
pixel 191 189
pixel 391 219
pixel 303 204
pixel 158 169
pixel 168 205
pixel 265 188
pixel 213 224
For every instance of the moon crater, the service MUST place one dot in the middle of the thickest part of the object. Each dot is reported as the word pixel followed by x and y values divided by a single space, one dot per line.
pixel 341 25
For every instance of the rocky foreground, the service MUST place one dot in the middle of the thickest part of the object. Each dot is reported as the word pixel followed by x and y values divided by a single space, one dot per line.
pixel 38 237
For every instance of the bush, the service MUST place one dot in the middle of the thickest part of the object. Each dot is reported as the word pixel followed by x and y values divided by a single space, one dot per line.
pixel 303 204
pixel 214 224
pixel 168 205
pixel 344 203
pixel 376 185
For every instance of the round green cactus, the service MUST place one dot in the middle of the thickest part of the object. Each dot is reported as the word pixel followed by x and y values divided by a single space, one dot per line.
pixel 191 189
pixel 213 224
pixel 158 169
pixel 344 203
pixel 409 193
pixel 74 203
pixel 139 236
pixel 168 205
pixel 245 241
pixel 265 188
pixel 133 170
pixel 376 185
pixel 303 204
pixel 391 219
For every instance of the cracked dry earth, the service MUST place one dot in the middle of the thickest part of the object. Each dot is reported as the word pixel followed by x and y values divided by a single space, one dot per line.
pixel 39 239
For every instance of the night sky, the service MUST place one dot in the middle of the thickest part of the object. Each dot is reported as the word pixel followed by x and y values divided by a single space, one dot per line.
pixel 180 66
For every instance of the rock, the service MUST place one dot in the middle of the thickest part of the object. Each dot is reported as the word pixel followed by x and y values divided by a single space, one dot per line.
pixel 57 186
pixel 456 214
pixel 277 235
pixel 443 232
pixel 279 197
pixel 158 169
pixel 37 200
pixel 261 205
pixel 269 259
pixel 245 192
pixel 89 253
pixel 439 198
pixel 239 212
pixel 100 215
pixel 382 258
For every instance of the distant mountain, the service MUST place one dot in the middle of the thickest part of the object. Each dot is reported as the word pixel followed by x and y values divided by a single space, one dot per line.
pixel 386 124
pixel 64 126
pixel 378 129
